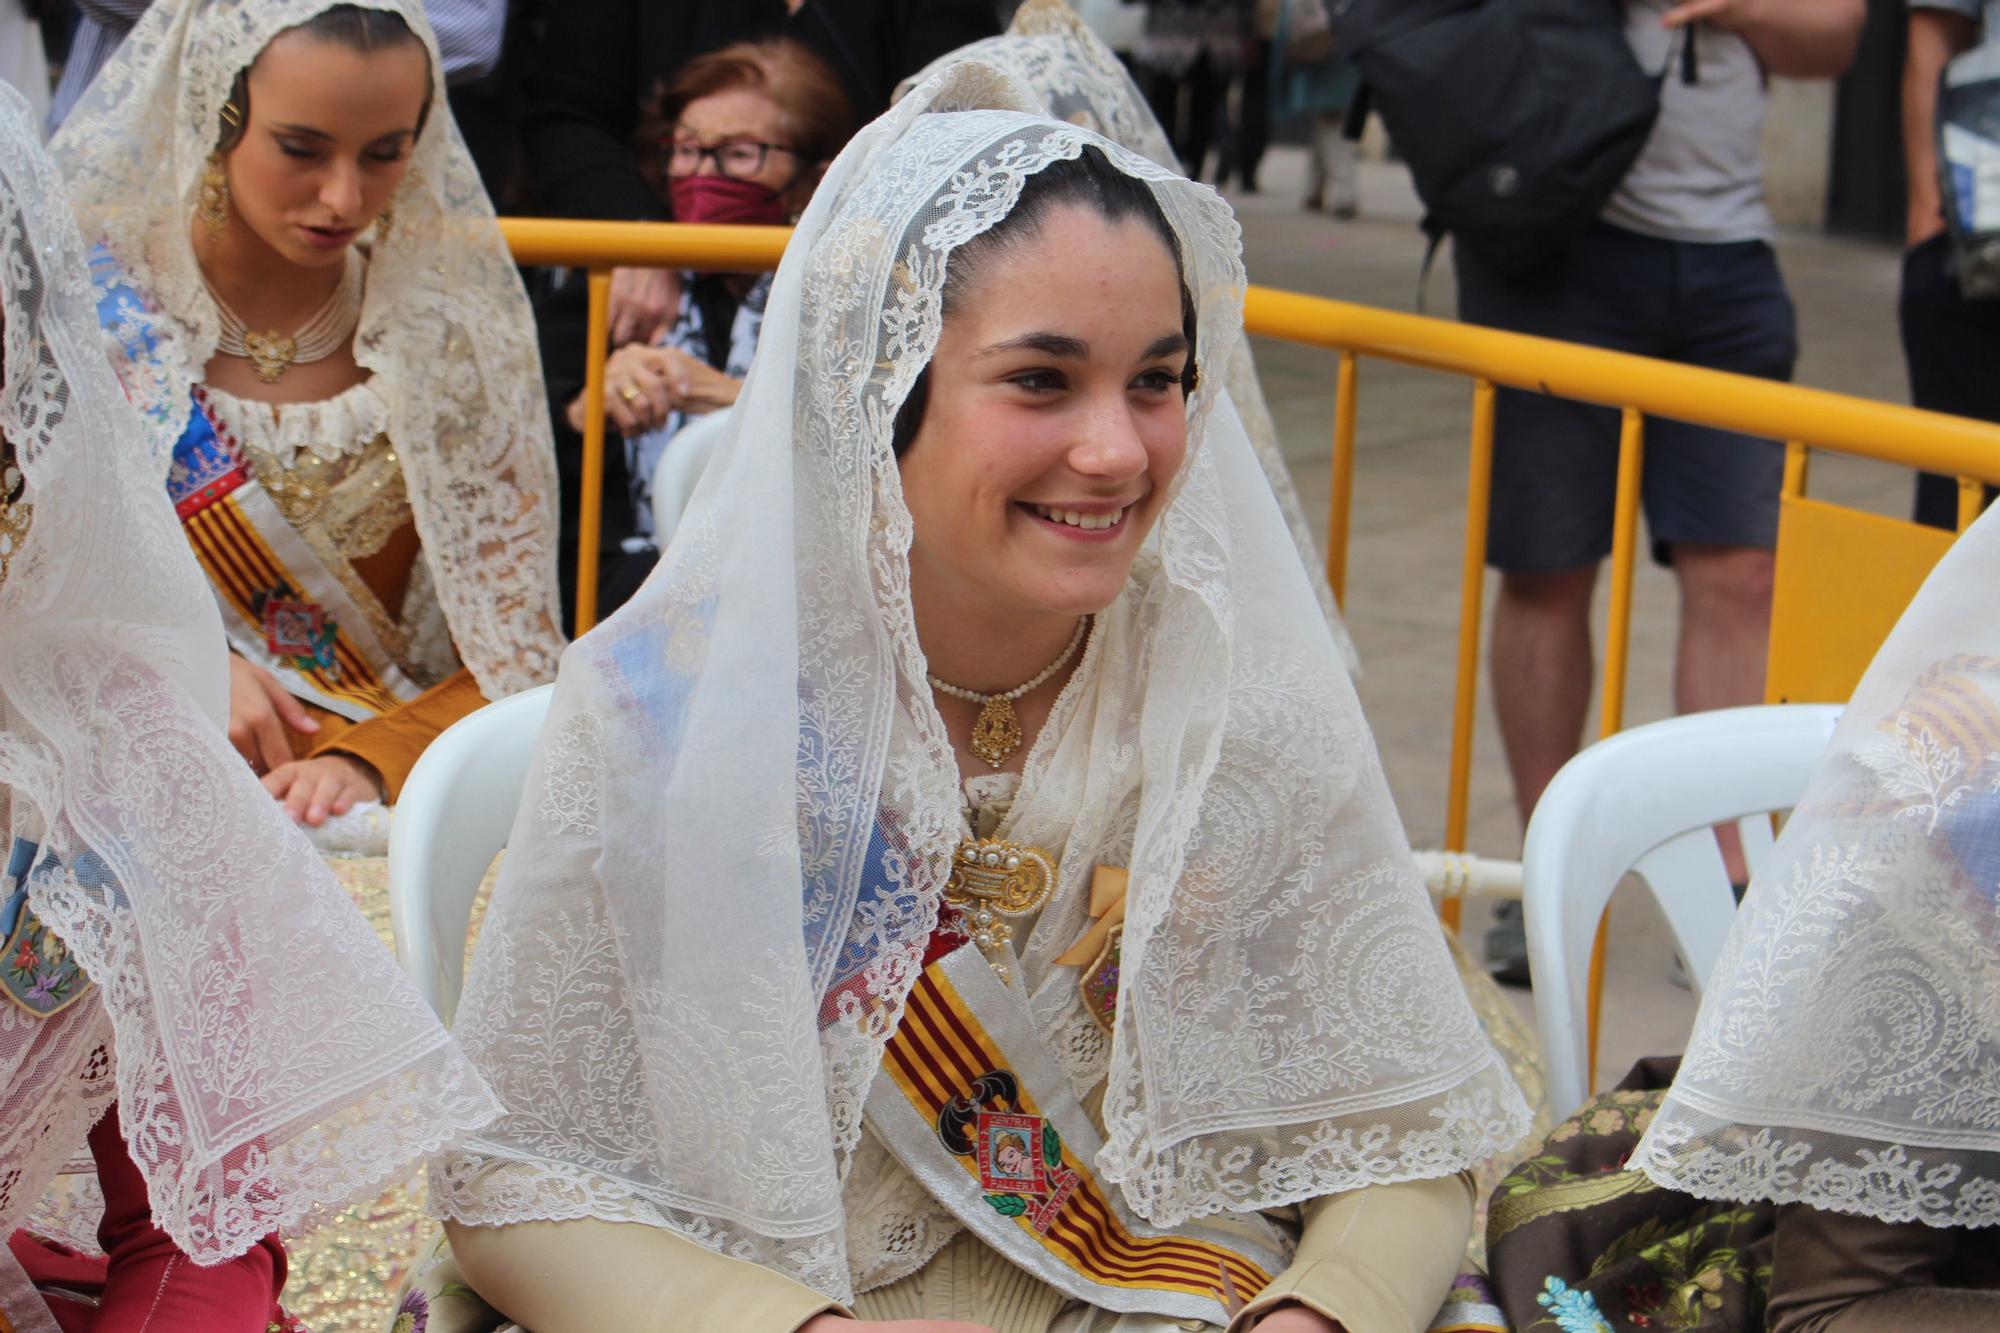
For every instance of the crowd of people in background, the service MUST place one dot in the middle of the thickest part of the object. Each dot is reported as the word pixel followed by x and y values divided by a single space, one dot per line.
pixel 956 891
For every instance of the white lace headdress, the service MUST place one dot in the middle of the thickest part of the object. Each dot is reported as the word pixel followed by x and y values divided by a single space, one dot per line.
pixel 736 833
pixel 271 1061
pixel 1847 1052
pixel 1070 74
pixel 445 325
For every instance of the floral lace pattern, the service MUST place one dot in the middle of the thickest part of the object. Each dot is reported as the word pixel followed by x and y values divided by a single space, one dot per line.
pixel 445 328
pixel 1847 1054
pixel 269 1059
pixel 701 940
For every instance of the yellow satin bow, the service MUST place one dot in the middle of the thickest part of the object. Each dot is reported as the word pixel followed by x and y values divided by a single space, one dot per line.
pixel 1107 904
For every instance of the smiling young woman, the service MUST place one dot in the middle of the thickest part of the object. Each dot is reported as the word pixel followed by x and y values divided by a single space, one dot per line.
pixel 313 306
pixel 818 983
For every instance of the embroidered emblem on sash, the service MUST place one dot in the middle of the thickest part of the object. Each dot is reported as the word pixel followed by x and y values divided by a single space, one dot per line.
pixel 38 972
pixel 296 629
pixel 1019 1155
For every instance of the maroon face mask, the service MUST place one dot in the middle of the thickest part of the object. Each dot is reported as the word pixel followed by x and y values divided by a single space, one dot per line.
pixel 724 199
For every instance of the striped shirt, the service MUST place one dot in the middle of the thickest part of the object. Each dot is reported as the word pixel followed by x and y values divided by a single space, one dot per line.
pixel 469 35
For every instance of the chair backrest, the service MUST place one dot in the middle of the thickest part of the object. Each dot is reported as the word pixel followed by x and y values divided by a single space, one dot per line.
pixel 1645 800
pixel 455 814
pixel 680 470
pixel 1842 580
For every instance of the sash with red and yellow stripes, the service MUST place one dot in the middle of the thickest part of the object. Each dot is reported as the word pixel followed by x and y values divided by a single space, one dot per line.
pixel 977 1109
pixel 281 606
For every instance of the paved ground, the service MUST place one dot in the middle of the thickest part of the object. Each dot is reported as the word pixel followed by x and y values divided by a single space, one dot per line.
pixel 1403 581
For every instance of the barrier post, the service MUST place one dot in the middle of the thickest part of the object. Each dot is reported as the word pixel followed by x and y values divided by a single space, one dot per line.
pixel 1342 505
pixel 1617 657
pixel 1471 605
pixel 590 497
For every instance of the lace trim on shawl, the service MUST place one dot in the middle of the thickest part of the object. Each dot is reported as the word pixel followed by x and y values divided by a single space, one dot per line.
pixel 1718 1157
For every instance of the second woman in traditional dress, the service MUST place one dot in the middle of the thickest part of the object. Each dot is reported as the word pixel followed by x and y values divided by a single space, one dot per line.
pixel 311 303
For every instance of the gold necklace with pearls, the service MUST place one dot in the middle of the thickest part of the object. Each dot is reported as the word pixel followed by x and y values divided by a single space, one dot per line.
pixel 997 733
pixel 272 353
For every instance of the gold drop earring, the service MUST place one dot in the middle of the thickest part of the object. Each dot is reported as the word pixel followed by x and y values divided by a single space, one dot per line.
pixel 213 205
pixel 384 221
pixel 213 208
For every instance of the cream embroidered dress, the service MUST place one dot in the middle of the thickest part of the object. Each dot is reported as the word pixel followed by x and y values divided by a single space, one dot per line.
pixel 717 989
pixel 362 547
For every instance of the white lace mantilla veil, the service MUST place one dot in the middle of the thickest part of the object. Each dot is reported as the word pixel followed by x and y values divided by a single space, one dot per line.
pixel 271 1062
pixel 1073 76
pixel 445 326
pixel 735 835
pixel 1847 1052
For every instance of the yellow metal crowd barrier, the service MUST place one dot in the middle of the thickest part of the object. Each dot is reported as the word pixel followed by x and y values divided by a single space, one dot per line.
pixel 1843 577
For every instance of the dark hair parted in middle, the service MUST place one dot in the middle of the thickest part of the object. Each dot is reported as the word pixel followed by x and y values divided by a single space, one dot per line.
pixel 1086 181
pixel 355 27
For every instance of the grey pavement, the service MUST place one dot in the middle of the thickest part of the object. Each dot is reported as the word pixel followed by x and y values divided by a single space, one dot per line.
pixel 1403 580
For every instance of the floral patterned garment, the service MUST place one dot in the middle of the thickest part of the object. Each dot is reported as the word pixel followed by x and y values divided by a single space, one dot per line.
pixel 1580 1244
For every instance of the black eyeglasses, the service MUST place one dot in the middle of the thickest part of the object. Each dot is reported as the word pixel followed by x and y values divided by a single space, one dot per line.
pixel 739 159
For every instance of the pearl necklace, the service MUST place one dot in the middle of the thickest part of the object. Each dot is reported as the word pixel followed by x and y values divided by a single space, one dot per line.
pixel 997 733
pixel 272 353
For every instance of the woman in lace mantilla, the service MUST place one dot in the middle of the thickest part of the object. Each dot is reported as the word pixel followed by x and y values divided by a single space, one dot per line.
pixel 1072 75
pixel 961 888
pixel 185 995
pixel 1826 1159
pixel 307 296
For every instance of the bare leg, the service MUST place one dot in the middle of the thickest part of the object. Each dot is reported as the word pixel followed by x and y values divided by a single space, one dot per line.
pixel 1542 661
pixel 1725 632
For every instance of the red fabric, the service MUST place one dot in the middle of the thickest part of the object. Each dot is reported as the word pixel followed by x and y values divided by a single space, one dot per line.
pixel 143 1283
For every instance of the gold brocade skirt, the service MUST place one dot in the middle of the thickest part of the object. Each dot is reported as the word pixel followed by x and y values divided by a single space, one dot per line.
pixel 348 1276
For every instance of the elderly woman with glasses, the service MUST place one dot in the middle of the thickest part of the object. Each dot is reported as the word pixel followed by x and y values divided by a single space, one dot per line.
pixel 741 135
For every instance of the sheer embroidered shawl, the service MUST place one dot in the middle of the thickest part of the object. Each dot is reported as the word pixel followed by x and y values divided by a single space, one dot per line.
pixel 270 1060
pixel 445 325
pixel 736 831
pixel 1847 1052
pixel 1069 73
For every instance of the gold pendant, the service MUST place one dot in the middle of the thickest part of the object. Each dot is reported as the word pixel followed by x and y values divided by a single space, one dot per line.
pixel 993 879
pixel 997 733
pixel 270 354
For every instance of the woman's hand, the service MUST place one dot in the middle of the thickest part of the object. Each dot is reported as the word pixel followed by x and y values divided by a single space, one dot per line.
pixel 637 395
pixel 1295 1319
pixel 259 711
pixel 833 1323
pixel 313 789
pixel 643 384
pixel 643 303
pixel 698 387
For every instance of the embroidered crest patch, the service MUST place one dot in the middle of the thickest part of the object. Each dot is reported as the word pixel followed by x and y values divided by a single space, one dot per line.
pixel 298 630
pixel 1010 1153
pixel 1019 1156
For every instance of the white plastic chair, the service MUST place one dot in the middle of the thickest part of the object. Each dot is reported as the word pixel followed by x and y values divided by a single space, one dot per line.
pixel 1643 801
pixel 680 469
pixel 455 814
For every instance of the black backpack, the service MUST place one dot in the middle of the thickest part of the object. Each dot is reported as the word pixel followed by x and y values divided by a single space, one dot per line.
pixel 1517 118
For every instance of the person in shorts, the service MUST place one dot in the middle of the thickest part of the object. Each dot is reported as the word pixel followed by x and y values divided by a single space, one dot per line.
pixel 1679 266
